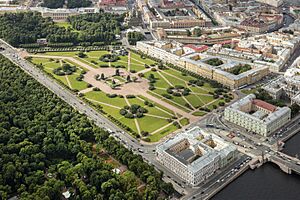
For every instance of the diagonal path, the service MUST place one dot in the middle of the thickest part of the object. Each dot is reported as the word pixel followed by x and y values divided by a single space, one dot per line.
pixel 74 60
pixel 104 103
pixel 68 81
pixel 135 120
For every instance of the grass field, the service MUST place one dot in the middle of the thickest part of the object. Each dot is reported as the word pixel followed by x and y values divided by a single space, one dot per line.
pixel 199 95
pixel 92 58
pixel 158 121
pixel 154 119
pixel 69 80
pixel 66 25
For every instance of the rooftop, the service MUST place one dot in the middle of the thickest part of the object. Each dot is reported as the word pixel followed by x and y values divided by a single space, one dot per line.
pixel 200 148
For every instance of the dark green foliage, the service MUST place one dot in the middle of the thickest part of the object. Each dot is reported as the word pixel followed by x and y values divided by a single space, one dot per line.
pixel 46 146
pixel 214 62
pixel 66 69
pixel 109 58
pixel 53 3
pixel 70 3
pixel 133 111
pixel 78 3
pixel 239 69
pixel 27 27
pixel 133 37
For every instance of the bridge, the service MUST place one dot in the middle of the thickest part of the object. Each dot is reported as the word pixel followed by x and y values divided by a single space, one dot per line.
pixel 286 163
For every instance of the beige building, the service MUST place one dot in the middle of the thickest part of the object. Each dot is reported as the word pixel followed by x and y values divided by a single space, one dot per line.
pixel 176 54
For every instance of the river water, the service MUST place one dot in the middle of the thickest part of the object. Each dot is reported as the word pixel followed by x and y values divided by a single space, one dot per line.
pixel 267 182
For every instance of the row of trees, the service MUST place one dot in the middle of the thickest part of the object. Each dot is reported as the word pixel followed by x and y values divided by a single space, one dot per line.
pixel 134 36
pixel 70 3
pixel 25 28
pixel 46 147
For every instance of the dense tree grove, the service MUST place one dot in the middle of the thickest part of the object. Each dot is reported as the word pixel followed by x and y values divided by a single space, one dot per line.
pixel 46 147
pixel 100 27
pixel 133 37
pixel 70 3
pixel 26 28
pixel 53 3
pixel 78 3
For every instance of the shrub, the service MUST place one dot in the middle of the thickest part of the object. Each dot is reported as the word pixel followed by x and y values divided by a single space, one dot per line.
pixel 178 87
pixel 170 91
pixel 96 89
pixel 123 112
pixel 104 66
pixel 153 69
pixel 111 95
pixel 130 96
pixel 144 133
pixel 167 96
pixel 221 103
pixel 151 87
pixel 176 94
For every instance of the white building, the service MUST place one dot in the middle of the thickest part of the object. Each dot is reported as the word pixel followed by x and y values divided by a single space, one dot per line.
pixel 275 3
pixel 257 116
pixel 195 155
pixel 287 86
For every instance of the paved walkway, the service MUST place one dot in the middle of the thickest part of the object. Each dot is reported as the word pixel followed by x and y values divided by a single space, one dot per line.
pixel 135 120
pixel 87 90
pixel 138 88
pixel 74 60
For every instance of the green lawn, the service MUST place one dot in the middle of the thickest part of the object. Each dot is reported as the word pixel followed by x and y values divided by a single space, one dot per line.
pixel 150 124
pixel 157 136
pixel 66 25
pixel 249 91
pixel 61 53
pixel 49 65
pixel 210 106
pixel 101 97
pixel 79 85
pixel 194 100
pixel 199 113
pixel 184 121
pixel 135 58
pixel 157 115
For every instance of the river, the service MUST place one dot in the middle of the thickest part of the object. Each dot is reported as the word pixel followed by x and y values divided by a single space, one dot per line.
pixel 267 182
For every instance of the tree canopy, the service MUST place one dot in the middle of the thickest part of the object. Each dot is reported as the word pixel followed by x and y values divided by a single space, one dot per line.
pixel 26 28
pixel 46 147
pixel 70 3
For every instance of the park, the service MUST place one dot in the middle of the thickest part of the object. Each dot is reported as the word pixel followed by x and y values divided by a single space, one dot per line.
pixel 147 99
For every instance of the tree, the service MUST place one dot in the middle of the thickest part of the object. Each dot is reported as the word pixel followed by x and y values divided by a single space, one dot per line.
pixel 81 55
pixel 117 72
pixel 102 77
pixel 128 78
pixel 44 151
pixel 197 32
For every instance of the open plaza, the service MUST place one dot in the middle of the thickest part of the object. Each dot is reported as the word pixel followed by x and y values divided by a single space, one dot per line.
pixel 147 101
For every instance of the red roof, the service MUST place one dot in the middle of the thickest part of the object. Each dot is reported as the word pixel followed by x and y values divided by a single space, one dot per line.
pixel 264 105
pixel 197 48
